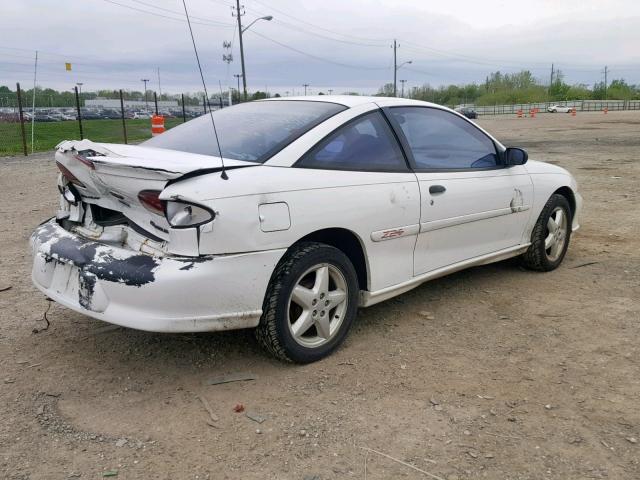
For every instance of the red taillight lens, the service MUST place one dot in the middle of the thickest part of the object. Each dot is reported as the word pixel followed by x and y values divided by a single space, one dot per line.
pixel 69 176
pixel 150 199
pixel 82 159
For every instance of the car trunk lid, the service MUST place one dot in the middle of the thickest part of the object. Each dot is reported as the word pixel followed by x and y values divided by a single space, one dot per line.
pixel 113 175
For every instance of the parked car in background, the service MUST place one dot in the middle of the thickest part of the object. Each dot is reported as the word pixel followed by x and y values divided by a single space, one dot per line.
pixel 327 204
pixel 111 114
pixel 559 109
pixel 45 117
pixel 467 112
pixel 90 115
pixel 141 115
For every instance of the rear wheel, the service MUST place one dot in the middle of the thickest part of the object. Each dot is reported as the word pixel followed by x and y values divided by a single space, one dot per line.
pixel 550 236
pixel 310 303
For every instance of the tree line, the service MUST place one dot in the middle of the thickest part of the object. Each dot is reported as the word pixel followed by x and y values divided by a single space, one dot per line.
pixel 48 97
pixel 522 87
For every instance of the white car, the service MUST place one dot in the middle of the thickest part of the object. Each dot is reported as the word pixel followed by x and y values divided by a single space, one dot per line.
pixel 559 109
pixel 141 116
pixel 326 204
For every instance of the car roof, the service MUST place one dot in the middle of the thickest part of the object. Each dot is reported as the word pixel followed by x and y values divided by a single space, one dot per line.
pixel 356 100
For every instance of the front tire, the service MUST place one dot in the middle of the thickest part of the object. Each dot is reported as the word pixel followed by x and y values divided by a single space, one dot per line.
pixel 550 236
pixel 310 303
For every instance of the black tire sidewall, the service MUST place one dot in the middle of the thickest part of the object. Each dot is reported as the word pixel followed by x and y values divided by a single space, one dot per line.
pixel 554 201
pixel 322 254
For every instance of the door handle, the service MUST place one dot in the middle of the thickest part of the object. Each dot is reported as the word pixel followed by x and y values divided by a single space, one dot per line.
pixel 433 189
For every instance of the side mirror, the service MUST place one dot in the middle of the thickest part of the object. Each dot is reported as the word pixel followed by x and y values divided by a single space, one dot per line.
pixel 515 156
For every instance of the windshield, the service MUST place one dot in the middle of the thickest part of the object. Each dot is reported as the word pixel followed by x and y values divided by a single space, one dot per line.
pixel 252 131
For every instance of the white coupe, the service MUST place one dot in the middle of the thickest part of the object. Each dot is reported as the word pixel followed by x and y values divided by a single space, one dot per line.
pixel 326 204
pixel 559 109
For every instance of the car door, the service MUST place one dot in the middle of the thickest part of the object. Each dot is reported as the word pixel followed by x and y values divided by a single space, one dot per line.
pixel 373 193
pixel 471 204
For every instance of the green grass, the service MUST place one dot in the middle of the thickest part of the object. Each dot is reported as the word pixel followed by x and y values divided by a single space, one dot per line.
pixel 48 134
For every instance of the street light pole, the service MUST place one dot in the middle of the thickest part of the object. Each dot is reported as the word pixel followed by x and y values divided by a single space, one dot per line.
pixel 241 30
pixel 395 91
pixel 305 85
pixel 146 105
pixel 244 73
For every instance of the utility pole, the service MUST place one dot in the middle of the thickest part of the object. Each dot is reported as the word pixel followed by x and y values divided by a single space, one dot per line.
pixel 330 91
pixel 305 85
pixel 551 81
pixel 395 68
pixel 402 82
pixel 606 71
pixel 146 105
pixel 239 13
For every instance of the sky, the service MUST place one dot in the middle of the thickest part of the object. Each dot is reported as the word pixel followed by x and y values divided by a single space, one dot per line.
pixel 338 45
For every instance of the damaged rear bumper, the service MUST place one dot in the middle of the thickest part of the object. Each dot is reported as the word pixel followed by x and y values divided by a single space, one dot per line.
pixel 160 294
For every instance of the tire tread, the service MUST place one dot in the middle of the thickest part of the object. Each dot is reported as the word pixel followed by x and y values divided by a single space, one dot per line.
pixel 266 332
pixel 534 258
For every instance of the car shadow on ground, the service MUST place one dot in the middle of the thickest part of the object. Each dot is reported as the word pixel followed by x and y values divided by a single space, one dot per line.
pixel 133 350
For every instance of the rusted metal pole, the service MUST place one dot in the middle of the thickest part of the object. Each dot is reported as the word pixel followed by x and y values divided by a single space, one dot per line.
pixel 124 125
pixel 24 136
pixel 155 100
pixel 184 112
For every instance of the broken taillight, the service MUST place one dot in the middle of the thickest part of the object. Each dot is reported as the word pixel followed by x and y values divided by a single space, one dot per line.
pixel 150 199
pixel 84 160
pixel 69 176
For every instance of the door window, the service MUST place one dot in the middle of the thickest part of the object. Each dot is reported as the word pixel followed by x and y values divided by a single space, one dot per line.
pixel 365 144
pixel 440 140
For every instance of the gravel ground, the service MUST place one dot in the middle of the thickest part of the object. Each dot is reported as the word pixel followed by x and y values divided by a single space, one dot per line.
pixel 494 372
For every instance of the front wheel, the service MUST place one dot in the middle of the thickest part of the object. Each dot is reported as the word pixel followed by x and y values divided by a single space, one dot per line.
pixel 550 236
pixel 310 304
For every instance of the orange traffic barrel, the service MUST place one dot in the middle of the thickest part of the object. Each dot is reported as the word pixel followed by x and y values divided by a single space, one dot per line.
pixel 532 113
pixel 606 110
pixel 520 113
pixel 157 125
pixel 573 112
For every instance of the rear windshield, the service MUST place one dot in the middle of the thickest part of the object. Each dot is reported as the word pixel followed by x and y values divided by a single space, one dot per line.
pixel 252 131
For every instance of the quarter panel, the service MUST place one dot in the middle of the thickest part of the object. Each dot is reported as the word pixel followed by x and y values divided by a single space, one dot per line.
pixel 361 202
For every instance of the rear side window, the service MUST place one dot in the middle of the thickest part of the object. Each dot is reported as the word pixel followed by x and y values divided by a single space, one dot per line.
pixel 442 140
pixel 252 131
pixel 364 144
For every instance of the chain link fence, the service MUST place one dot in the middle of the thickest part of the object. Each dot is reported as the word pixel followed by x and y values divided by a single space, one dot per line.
pixel 25 129
pixel 579 105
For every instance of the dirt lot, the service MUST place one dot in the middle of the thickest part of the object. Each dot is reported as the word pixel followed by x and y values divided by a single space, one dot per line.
pixel 495 372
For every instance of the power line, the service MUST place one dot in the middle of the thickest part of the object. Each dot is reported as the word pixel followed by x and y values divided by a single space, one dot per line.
pixel 383 42
pixel 180 13
pixel 315 57
pixel 216 24
pixel 319 35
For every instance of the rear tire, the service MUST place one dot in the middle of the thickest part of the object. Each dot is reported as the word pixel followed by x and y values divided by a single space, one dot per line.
pixel 550 236
pixel 310 303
